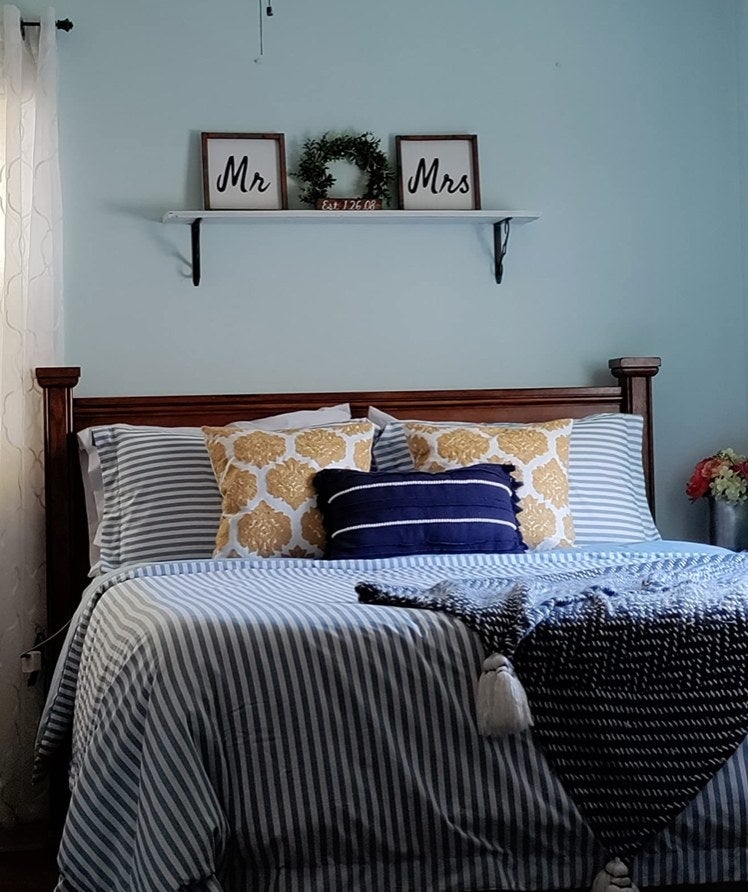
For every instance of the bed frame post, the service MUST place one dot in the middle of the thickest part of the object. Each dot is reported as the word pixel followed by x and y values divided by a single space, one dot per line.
pixel 57 385
pixel 635 375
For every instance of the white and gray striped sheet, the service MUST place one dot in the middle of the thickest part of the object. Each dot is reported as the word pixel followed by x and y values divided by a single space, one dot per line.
pixel 248 725
pixel 607 495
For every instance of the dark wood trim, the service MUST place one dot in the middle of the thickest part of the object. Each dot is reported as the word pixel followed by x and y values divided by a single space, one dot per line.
pixel 635 375
pixel 536 404
pixel 60 470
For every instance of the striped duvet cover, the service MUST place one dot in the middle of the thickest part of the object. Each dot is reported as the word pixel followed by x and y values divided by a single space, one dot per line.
pixel 248 725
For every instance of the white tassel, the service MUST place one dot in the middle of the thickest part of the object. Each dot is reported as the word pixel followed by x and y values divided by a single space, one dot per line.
pixel 501 701
pixel 613 878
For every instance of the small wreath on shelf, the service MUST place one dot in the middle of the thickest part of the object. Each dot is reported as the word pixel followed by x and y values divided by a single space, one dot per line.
pixel 362 150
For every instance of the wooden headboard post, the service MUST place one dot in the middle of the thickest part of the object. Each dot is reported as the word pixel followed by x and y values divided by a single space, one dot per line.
pixel 635 374
pixel 60 470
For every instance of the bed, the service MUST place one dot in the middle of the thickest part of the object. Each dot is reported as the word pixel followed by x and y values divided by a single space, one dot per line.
pixel 246 722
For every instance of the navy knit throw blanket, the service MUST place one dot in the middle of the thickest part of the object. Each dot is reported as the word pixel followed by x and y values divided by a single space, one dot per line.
pixel 637 678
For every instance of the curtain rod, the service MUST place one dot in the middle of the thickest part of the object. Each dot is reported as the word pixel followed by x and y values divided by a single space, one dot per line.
pixel 62 25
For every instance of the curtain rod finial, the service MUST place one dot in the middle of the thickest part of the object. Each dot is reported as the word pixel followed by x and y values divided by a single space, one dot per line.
pixel 60 24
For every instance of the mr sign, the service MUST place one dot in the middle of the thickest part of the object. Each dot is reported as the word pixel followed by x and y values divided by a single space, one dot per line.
pixel 244 171
pixel 438 173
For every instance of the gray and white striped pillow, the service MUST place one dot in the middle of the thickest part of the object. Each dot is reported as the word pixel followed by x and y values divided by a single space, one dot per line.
pixel 607 494
pixel 151 494
pixel 161 500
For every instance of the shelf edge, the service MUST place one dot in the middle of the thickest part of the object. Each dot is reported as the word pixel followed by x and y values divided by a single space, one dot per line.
pixel 385 216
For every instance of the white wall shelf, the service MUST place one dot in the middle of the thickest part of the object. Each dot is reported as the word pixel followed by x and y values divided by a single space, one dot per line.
pixel 501 221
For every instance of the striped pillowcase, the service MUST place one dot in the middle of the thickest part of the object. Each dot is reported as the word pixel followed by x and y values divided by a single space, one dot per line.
pixel 161 499
pixel 151 493
pixel 384 514
pixel 390 452
pixel 607 494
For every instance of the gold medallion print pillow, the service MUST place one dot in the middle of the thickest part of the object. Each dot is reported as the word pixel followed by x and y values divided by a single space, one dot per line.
pixel 265 479
pixel 539 453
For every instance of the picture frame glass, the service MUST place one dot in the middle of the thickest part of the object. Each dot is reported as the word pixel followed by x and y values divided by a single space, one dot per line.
pixel 244 172
pixel 438 173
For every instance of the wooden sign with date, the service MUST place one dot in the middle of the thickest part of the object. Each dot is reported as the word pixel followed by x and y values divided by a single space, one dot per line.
pixel 349 204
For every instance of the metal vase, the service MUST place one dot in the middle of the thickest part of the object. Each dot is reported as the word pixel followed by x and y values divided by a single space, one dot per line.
pixel 728 524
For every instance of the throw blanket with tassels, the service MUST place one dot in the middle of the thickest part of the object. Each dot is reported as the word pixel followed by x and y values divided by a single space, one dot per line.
pixel 637 680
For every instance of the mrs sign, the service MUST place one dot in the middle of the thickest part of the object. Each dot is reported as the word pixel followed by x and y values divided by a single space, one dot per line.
pixel 438 172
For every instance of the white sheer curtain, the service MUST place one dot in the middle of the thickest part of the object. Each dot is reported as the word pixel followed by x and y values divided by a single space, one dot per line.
pixel 30 312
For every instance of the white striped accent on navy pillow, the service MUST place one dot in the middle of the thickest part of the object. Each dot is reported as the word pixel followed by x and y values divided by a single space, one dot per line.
pixel 420 522
pixel 437 482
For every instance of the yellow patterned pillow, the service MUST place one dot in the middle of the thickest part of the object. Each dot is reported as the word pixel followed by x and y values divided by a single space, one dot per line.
pixel 539 453
pixel 265 479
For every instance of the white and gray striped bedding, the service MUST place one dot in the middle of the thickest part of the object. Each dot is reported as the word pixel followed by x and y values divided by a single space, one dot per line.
pixel 244 725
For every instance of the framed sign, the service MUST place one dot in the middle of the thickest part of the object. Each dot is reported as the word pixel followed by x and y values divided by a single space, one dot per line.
pixel 438 173
pixel 244 171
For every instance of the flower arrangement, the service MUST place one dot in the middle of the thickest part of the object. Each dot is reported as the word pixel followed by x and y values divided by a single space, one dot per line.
pixel 723 476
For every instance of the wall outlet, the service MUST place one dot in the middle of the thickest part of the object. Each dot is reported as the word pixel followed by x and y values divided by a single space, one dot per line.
pixel 31 662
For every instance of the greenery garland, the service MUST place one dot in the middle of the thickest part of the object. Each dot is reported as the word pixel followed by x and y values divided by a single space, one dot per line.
pixel 363 151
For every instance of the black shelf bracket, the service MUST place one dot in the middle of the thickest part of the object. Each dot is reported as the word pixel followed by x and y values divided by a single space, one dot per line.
pixel 500 242
pixel 501 230
pixel 195 231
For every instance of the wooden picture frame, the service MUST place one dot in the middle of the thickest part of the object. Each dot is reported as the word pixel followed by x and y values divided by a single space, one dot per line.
pixel 244 171
pixel 438 172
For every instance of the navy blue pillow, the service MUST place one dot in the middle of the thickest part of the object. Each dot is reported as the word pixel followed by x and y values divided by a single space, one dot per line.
pixel 389 513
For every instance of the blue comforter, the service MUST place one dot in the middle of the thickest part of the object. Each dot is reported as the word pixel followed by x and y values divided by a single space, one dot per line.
pixel 249 725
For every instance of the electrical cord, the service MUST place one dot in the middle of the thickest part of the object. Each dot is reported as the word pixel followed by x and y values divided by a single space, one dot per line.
pixel 46 640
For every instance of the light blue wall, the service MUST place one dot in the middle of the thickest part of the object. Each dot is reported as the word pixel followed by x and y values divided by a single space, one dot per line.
pixel 742 56
pixel 616 119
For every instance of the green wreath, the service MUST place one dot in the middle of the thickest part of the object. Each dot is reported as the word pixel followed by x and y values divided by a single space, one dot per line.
pixel 363 151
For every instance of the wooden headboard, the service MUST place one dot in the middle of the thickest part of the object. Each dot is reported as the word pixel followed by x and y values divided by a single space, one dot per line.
pixel 65 414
